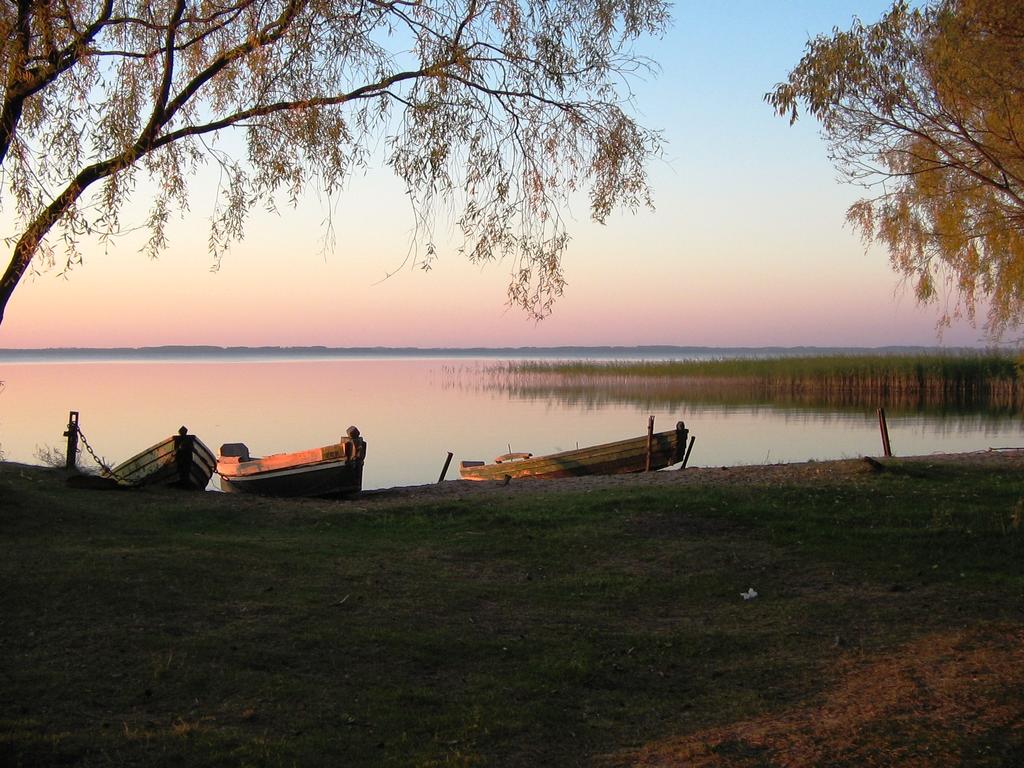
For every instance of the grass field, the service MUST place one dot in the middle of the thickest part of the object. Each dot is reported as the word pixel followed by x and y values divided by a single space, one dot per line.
pixel 596 627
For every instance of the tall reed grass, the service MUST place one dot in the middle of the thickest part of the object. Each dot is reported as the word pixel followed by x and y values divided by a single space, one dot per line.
pixel 992 380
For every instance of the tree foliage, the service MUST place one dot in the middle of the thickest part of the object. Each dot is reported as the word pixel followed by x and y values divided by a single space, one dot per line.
pixel 495 108
pixel 926 109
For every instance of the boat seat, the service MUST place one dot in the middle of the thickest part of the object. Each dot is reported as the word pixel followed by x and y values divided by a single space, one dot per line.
pixel 240 450
pixel 512 457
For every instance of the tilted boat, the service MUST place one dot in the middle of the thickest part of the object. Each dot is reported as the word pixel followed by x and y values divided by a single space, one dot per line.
pixel 333 470
pixel 182 460
pixel 656 450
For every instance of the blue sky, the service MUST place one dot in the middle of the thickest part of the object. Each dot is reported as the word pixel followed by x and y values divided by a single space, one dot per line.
pixel 747 245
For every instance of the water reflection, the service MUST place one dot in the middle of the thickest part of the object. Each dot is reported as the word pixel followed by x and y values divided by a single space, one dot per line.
pixel 748 425
pixel 413 411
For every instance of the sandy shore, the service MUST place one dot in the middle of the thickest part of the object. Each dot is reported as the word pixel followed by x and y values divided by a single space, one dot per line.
pixel 803 473
pixel 840 471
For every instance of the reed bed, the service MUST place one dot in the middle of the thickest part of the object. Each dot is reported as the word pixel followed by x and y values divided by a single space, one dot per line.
pixel 989 381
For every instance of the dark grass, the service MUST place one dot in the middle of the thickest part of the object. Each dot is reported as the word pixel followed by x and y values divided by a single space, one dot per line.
pixel 152 628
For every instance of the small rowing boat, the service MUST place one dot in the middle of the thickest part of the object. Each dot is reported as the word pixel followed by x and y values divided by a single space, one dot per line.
pixel 182 460
pixel 655 450
pixel 332 470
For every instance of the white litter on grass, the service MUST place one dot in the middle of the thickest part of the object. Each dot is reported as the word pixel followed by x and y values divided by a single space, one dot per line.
pixel 750 594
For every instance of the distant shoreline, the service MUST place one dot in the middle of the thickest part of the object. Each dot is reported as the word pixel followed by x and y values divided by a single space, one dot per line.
pixel 209 352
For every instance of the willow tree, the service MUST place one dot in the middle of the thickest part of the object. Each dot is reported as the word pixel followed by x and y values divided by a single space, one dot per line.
pixel 496 109
pixel 925 108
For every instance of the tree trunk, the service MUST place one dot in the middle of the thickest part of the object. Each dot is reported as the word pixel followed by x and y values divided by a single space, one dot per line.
pixel 29 241
pixel 20 260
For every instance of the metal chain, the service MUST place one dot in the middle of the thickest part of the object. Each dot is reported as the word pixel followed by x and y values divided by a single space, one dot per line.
pixel 97 459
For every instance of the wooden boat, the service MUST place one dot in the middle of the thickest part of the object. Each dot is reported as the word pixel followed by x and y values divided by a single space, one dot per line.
pixel 333 470
pixel 182 460
pixel 638 454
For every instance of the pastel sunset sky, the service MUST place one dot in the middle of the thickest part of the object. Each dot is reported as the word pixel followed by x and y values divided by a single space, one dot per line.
pixel 747 246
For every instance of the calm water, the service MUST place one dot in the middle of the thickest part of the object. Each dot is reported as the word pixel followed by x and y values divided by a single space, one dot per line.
pixel 413 411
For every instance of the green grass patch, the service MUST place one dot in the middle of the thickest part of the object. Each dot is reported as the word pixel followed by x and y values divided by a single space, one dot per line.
pixel 160 628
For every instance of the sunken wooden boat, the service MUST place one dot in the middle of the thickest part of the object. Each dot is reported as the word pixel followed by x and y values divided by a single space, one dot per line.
pixel 655 450
pixel 181 460
pixel 333 470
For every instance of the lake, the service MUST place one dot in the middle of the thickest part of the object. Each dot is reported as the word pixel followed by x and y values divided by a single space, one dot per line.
pixel 413 410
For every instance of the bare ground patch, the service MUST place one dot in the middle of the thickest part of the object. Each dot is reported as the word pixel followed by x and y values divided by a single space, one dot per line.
pixel 915 707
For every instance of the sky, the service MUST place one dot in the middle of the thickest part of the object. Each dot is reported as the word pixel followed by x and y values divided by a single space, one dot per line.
pixel 747 245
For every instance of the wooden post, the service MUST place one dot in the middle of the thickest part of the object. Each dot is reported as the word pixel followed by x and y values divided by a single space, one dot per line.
pixel 686 458
pixel 183 443
pixel 71 453
pixel 445 470
pixel 886 447
pixel 650 442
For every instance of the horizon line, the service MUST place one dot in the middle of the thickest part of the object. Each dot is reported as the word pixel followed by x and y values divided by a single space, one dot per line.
pixel 177 349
